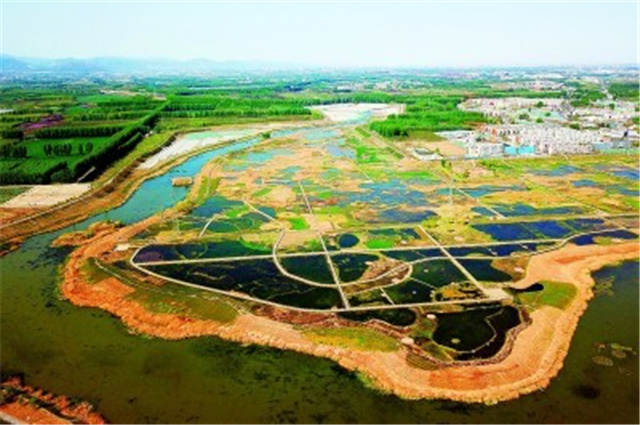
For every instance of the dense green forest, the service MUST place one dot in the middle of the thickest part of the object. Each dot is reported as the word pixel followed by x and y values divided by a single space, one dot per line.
pixel 625 91
pixel 428 114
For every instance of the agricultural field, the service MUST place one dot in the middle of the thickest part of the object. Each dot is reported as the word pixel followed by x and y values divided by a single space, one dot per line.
pixel 67 133
pixel 62 134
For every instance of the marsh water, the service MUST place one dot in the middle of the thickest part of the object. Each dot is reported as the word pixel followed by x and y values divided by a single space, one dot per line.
pixel 89 354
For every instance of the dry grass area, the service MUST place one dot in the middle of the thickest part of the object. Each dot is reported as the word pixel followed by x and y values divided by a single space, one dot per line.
pixel 445 147
pixel 29 405
pixel 341 112
pixel 47 195
pixel 195 142
pixel 16 412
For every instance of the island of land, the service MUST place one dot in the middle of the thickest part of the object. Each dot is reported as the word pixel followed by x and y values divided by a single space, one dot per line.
pixel 441 254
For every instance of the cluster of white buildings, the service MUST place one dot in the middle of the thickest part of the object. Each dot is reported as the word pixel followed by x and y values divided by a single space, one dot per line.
pixel 492 106
pixel 551 140
pixel 534 140
pixel 512 109
pixel 602 114
pixel 546 127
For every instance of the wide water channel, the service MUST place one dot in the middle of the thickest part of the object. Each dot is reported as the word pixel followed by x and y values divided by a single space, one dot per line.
pixel 86 353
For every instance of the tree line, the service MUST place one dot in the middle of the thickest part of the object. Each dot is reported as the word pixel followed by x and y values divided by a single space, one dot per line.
pixel 59 132
pixel 99 158
pixel 66 149
pixel 13 151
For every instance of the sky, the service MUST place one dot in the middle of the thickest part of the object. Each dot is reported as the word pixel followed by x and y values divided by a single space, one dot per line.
pixel 329 34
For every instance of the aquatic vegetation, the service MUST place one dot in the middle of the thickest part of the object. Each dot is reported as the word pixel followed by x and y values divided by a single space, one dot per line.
pixel 389 238
pixel 352 266
pixel 437 273
pixel 311 267
pixel 592 238
pixel 506 231
pixel 409 292
pixel 475 332
pixel 204 250
pixel 483 270
pixel 358 338
pixel 410 255
pixel 549 229
pixel 256 278
pixel 480 191
pixel 554 294
pixel 396 316
pixel 521 209
pixel 602 361
pixel 368 298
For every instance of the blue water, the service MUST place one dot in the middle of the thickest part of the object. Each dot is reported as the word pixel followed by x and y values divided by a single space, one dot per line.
pixel 337 151
pixel 483 211
pixel 562 170
pixel 622 190
pixel 520 209
pixel 550 229
pixel 628 173
pixel 584 183
pixel 506 231
pixel 616 234
pixel 158 194
pixel 480 191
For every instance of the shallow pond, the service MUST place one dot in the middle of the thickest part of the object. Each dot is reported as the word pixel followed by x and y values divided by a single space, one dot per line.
pixel 312 267
pixel 410 292
pixel 257 278
pixel 351 267
pixel 476 333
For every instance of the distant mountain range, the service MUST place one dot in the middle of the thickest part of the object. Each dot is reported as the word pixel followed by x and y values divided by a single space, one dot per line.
pixel 12 65
pixel 17 66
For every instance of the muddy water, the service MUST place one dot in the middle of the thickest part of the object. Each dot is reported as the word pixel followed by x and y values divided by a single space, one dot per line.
pixel 86 353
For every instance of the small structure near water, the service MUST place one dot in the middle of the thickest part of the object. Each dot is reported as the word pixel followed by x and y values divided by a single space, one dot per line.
pixel 182 181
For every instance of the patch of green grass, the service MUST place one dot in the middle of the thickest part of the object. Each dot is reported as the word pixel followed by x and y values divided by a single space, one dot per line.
pixel 633 202
pixel 199 307
pixel 207 188
pixel 554 294
pixel 237 211
pixel 426 136
pixel 379 243
pixel 416 175
pixel 92 272
pixel 358 338
pixel 363 132
pixel 298 223
pixel 146 146
pixel 262 192
pixel 7 193
pixel 171 123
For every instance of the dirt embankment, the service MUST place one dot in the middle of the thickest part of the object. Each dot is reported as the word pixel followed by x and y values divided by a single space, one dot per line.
pixel 25 404
pixel 535 358
pixel 108 196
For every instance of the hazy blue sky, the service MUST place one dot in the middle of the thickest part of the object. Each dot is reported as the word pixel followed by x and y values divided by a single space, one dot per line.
pixel 352 34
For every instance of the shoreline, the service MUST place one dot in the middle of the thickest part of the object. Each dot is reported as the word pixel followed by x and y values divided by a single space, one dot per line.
pixel 536 357
pixel 23 404
pixel 119 187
